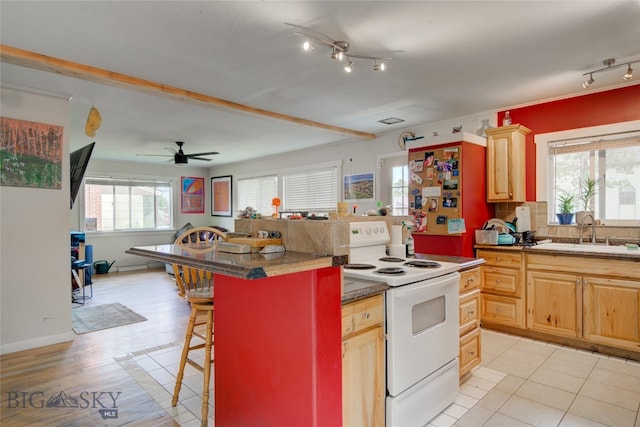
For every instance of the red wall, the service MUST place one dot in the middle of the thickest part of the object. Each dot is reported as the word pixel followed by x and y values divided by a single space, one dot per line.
pixel 613 106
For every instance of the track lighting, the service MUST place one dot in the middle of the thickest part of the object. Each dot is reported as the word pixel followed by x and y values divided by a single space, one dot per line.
pixel 349 67
pixel 609 66
pixel 587 83
pixel 340 51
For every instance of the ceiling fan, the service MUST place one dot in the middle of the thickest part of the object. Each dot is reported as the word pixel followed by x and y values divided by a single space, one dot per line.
pixel 180 158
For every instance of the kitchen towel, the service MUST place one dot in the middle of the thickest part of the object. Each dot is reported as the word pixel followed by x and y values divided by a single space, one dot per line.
pixel 396 234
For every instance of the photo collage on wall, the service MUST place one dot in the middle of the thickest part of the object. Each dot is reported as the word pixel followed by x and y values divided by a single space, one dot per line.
pixel 435 190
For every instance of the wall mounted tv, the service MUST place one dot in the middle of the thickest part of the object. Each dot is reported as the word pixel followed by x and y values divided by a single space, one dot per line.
pixel 78 166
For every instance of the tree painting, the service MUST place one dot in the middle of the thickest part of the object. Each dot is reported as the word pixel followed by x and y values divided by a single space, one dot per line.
pixel 30 154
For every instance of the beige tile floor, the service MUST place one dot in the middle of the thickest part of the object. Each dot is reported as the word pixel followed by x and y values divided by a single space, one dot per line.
pixel 520 382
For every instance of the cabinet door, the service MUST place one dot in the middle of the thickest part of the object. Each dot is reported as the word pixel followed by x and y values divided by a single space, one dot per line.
pixel 498 168
pixel 504 281
pixel 469 311
pixel 469 280
pixel 612 312
pixel 363 379
pixel 470 350
pixel 502 310
pixel 554 302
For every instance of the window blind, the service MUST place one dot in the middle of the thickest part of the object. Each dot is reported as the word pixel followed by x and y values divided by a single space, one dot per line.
pixel 258 193
pixel 311 190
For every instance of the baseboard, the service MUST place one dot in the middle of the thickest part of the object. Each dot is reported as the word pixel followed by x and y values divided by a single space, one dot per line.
pixel 36 342
pixel 150 266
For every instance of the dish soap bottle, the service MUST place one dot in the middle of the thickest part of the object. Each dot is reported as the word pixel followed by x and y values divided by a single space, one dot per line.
pixel 411 251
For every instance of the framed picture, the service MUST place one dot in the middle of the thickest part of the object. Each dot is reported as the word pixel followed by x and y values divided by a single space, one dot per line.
pixel 360 186
pixel 221 196
pixel 191 195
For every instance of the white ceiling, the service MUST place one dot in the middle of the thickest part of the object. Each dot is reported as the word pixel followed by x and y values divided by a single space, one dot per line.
pixel 450 59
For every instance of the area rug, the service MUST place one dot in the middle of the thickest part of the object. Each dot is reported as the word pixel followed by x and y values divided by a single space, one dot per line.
pixel 95 318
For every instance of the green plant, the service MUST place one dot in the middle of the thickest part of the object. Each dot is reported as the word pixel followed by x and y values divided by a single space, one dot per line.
pixel 565 203
pixel 588 191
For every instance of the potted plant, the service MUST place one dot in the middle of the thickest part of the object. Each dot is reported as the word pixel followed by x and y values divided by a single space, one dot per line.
pixel 565 206
pixel 588 191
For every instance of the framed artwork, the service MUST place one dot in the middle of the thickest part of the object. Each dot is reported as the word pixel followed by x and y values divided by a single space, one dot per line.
pixel 30 154
pixel 221 196
pixel 191 195
pixel 359 186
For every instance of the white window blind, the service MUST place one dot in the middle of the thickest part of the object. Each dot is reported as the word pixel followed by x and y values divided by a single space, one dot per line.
pixel 258 193
pixel 311 190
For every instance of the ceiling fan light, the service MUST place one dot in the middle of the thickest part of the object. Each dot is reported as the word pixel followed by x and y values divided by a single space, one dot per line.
pixel 629 74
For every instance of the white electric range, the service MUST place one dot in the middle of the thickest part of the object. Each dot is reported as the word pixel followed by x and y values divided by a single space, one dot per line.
pixel 421 323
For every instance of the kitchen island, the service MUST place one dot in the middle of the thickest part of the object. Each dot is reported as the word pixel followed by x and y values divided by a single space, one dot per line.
pixel 277 334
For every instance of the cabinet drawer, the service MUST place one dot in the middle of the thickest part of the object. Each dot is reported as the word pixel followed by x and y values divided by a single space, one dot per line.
pixel 362 315
pixel 504 281
pixel 470 349
pixel 469 280
pixel 501 259
pixel 502 310
pixel 469 311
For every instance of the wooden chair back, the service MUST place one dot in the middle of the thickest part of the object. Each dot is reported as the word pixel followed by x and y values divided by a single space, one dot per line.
pixel 196 284
pixel 200 235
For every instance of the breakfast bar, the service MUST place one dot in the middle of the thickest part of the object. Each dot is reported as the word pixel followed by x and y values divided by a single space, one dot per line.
pixel 277 334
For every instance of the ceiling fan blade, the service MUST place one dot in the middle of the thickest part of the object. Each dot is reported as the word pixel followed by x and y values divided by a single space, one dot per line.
pixel 209 153
pixel 173 150
pixel 199 158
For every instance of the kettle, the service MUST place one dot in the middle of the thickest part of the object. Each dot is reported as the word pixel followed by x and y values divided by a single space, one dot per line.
pixel 102 266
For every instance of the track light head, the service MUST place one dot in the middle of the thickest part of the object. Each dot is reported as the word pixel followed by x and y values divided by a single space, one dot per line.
pixel 588 83
pixel 378 66
pixel 306 45
pixel 349 67
pixel 629 74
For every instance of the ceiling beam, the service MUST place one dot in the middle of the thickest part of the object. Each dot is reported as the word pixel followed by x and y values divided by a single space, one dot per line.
pixel 37 61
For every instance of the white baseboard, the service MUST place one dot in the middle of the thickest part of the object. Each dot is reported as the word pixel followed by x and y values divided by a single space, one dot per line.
pixel 36 342
pixel 149 266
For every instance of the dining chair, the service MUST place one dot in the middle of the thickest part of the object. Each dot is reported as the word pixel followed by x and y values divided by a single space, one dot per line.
pixel 198 291
pixel 194 237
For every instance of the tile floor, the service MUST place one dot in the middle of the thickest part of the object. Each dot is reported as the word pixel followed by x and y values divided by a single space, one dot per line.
pixel 521 382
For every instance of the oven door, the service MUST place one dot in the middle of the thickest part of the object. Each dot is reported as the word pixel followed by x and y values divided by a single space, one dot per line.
pixel 422 330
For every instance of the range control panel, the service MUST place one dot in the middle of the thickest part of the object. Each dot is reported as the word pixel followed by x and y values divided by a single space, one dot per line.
pixel 368 233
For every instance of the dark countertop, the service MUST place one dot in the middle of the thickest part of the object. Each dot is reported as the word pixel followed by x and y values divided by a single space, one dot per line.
pixel 243 266
pixel 465 262
pixel 357 289
pixel 574 250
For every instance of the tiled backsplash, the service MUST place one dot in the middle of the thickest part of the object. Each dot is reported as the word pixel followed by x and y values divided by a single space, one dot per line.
pixel 539 223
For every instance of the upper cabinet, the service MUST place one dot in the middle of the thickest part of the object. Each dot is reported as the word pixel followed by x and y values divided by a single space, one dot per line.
pixel 506 165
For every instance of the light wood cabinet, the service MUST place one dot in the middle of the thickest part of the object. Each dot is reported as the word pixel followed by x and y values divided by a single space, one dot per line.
pixel 506 163
pixel 554 303
pixel 502 297
pixel 363 367
pixel 612 312
pixel 470 344
pixel 595 300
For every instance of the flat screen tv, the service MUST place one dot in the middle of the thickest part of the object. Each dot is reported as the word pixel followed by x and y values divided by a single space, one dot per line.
pixel 78 166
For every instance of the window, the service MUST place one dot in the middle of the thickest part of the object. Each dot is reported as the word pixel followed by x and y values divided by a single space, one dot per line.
pixel 394 182
pixel 298 189
pixel 124 204
pixel 613 160
pixel 258 193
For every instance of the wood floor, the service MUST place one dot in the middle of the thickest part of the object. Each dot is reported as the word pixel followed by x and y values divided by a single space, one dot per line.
pixel 85 368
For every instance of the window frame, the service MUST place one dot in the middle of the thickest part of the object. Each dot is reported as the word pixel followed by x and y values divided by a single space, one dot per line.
pixel 544 185
pixel 113 180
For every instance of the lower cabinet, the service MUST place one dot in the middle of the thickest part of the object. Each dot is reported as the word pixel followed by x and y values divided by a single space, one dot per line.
pixel 554 302
pixel 469 354
pixel 363 365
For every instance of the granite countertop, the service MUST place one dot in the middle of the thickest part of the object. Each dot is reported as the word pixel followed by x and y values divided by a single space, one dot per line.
pixel 618 252
pixel 464 262
pixel 357 289
pixel 243 266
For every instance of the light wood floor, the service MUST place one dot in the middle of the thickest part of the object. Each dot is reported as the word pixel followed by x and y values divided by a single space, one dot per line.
pixel 87 364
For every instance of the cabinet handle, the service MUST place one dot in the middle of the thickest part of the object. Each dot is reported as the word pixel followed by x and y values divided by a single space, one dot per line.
pixel 366 315
pixel 472 353
pixel 498 258
pixel 510 194
pixel 471 311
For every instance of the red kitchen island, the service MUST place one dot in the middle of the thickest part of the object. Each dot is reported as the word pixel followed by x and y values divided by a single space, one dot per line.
pixel 277 340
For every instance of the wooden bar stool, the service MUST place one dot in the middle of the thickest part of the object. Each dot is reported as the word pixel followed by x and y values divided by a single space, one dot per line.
pixel 198 291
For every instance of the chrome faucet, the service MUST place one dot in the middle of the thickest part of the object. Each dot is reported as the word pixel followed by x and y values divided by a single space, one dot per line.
pixel 593 227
